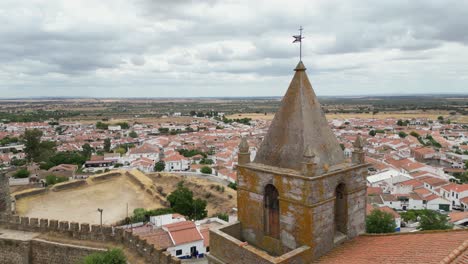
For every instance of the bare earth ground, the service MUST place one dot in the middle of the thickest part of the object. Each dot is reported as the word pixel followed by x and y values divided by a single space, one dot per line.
pixel 399 115
pixel 81 204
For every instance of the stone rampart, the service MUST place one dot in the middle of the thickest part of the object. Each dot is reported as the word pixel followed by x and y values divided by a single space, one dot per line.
pixel 106 176
pixel 68 185
pixel 29 192
pixel 135 180
pixel 84 231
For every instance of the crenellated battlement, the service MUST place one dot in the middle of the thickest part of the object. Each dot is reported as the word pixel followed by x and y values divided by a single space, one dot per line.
pixel 85 231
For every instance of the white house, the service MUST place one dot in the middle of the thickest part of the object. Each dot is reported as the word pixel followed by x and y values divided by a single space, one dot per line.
pixel 166 219
pixel 435 202
pixel 387 179
pixel 455 193
pixel 186 238
pixel 114 128
pixel 176 162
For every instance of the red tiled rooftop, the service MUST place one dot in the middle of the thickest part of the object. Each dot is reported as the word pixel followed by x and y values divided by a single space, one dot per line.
pixel 411 248
pixel 183 232
pixel 457 216
pixel 374 190
pixel 456 187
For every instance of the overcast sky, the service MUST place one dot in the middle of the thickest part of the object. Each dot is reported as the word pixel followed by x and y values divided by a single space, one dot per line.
pixel 179 48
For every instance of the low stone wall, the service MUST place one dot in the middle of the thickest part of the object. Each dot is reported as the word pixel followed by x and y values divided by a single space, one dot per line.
pixel 86 231
pixel 28 193
pixel 106 176
pixel 68 185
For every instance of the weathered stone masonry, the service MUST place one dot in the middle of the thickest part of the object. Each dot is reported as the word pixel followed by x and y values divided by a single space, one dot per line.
pixel 299 198
pixel 86 232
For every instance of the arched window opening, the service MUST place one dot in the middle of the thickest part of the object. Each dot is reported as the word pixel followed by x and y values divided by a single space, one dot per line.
pixel 271 211
pixel 340 210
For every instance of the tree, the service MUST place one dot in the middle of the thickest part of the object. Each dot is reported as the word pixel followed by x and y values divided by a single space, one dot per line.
pixel 380 222
pixel 181 200
pixel 87 150
pixel 432 220
pixel 46 149
pixel 440 118
pixel 372 133
pixel 206 170
pixel 206 161
pixel 198 209
pixel 399 122
pixel 183 203
pixel 414 134
pixel 112 256
pixel 123 125
pixel 107 145
pixel 402 134
pixel 133 134
pixel 160 166
pixel 100 125
pixel 21 173
pixel 32 141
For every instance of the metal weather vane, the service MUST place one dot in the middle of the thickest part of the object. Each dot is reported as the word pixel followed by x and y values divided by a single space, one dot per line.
pixel 299 38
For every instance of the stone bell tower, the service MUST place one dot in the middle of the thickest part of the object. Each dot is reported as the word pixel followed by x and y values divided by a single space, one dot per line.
pixel 5 201
pixel 299 198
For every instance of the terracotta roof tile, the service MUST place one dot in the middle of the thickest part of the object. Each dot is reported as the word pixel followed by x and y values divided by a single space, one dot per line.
pixel 431 247
pixel 183 232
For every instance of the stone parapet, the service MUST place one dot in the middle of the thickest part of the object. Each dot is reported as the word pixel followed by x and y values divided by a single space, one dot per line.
pixel 229 248
pixel 84 231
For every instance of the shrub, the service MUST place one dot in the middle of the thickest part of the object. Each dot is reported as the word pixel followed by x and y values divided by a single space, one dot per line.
pixel 233 185
pixel 222 216
pixel 206 170
pixel 380 222
pixel 113 256
pixel 21 173
pixel 52 179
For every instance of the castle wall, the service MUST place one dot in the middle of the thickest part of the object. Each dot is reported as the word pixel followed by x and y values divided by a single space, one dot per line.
pixel 84 231
pixel 41 252
pixel 5 201
pixel 14 251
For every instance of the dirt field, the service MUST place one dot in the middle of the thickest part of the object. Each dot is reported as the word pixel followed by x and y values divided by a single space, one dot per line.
pixel 80 205
pixel 400 115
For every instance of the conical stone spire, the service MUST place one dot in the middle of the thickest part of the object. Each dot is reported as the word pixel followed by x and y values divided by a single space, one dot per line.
pixel 299 122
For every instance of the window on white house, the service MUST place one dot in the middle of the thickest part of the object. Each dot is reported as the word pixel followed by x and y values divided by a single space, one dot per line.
pixel 178 252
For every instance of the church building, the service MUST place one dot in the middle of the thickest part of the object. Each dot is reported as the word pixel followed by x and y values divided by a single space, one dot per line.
pixel 299 198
